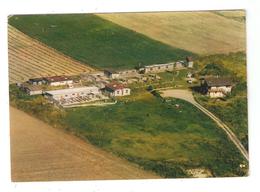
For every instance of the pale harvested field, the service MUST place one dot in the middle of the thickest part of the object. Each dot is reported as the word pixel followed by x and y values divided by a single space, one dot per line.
pixel 42 153
pixel 29 58
pixel 199 32
pixel 232 14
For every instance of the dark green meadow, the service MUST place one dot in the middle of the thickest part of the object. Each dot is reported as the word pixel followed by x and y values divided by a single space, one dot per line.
pixel 158 136
pixel 95 41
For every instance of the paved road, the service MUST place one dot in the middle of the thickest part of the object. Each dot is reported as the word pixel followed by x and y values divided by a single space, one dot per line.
pixel 42 153
pixel 187 96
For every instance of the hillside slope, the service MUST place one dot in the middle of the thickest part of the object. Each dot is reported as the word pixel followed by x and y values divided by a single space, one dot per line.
pixel 42 153
pixel 93 40
pixel 29 58
pixel 198 32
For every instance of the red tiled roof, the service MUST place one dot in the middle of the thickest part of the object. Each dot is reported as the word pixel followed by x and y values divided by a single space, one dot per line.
pixel 115 86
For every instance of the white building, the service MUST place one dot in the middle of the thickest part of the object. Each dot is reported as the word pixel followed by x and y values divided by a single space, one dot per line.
pixel 58 80
pixel 117 89
pixel 65 94
pixel 31 89
pixel 189 62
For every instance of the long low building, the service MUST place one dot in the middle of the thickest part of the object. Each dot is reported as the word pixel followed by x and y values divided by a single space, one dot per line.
pixel 64 94
pixel 58 80
pixel 157 68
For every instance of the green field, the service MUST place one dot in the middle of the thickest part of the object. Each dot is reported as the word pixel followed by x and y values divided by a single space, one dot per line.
pixel 95 41
pixel 147 131
pixel 158 136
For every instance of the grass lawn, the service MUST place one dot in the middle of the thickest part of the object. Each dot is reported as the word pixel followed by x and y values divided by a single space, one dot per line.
pixel 158 136
pixel 96 41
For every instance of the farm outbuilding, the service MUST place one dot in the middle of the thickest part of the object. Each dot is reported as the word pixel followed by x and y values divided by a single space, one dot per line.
pixel 157 68
pixel 58 80
pixel 65 94
pixel 36 81
pixel 216 87
pixel 31 89
pixel 128 73
pixel 189 62
pixel 116 89
pixel 112 74
pixel 179 64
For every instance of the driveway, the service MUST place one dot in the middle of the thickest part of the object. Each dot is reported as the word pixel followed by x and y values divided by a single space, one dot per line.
pixel 183 94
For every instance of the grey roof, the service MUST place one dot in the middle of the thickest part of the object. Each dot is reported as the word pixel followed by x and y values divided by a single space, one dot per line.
pixel 31 87
pixel 218 81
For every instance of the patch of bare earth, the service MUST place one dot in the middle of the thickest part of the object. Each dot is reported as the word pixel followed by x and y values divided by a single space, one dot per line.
pixel 42 153
pixel 199 173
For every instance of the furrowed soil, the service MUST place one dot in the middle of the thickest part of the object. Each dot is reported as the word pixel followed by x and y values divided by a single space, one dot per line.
pixel 29 58
pixel 42 153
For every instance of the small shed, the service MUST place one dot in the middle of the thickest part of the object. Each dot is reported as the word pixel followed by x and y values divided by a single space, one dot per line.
pixel 112 74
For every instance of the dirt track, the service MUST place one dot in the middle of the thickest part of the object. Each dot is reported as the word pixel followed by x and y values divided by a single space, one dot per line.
pixel 42 153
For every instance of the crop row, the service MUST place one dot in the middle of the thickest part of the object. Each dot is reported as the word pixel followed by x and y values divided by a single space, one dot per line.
pixel 30 58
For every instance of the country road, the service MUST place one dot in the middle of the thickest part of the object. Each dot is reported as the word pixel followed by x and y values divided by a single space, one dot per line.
pixel 187 96
pixel 42 153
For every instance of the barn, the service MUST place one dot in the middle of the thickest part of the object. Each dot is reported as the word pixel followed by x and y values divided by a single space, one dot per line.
pixel 216 87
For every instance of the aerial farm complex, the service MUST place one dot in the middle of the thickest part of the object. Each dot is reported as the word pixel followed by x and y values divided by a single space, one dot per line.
pixel 147 95
pixel 101 87
pixel 97 87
